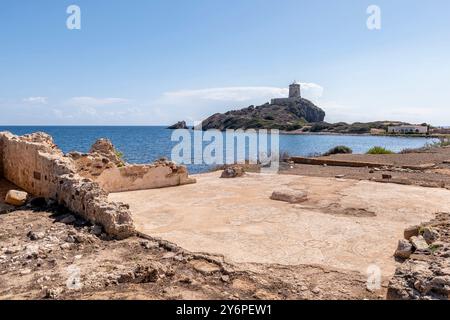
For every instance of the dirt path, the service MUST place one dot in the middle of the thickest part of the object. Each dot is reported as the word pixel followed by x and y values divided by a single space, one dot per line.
pixel 43 258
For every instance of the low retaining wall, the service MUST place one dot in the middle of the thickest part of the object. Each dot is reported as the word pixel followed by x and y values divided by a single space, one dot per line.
pixel 142 177
pixel 35 164
pixel 104 167
pixel 358 164
pixel 337 163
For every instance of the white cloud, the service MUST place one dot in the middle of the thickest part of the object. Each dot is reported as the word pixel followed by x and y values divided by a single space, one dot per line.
pixel 93 110
pixel 241 94
pixel 36 100
pixel 95 102
pixel 198 104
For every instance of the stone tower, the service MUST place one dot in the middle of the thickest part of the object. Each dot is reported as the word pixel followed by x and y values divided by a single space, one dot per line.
pixel 295 90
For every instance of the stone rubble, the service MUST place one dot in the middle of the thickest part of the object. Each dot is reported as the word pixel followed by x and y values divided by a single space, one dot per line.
pixel 234 171
pixel 16 198
pixel 404 250
pixel 288 195
pixel 425 274
pixel 419 243
pixel 81 182
pixel 6 208
pixel 35 164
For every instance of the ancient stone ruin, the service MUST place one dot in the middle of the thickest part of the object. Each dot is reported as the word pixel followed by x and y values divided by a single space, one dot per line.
pixel 425 272
pixel 104 165
pixel 81 182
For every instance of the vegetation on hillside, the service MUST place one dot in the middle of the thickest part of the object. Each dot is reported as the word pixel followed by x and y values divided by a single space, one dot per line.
pixel 338 150
pixel 379 150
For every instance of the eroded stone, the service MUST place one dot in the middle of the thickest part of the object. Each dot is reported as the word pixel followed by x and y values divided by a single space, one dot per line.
pixel 16 198
pixel 291 196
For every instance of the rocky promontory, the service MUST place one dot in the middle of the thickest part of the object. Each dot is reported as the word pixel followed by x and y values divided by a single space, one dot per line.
pixel 179 125
pixel 289 116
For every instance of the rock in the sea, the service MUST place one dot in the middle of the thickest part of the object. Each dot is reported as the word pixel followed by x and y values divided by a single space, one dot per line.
pixel 430 235
pixel 16 198
pixel 233 172
pixel 291 115
pixel 419 243
pixel 179 125
pixel 404 249
pixel 288 195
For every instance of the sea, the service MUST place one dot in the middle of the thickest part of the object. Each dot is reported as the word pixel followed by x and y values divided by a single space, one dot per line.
pixel 145 144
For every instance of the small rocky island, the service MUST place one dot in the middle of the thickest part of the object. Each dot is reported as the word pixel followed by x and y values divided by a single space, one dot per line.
pixel 285 114
pixel 179 125
pixel 296 115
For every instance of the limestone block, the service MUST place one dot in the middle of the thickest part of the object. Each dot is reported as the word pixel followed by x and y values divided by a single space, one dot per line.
pixel 419 243
pixel 16 198
pixel 288 195
pixel 411 232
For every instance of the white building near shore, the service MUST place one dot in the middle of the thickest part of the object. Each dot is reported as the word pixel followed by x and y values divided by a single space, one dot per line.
pixel 408 129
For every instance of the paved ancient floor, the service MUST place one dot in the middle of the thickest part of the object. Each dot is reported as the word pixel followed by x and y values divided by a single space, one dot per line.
pixel 345 224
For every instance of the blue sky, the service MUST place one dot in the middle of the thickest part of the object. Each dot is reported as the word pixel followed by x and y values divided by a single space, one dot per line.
pixel 148 62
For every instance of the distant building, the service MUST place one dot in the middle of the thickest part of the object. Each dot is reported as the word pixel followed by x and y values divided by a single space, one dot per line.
pixel 295 94
pixel 440 130
pixel 408 129
pixel 375 131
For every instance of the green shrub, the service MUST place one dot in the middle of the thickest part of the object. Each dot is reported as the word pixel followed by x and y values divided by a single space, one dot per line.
pixel 379 150
pixel 320 126
pixel 119 154
pixel 338 150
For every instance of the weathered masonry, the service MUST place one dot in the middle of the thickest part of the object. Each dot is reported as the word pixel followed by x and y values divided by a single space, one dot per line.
pixel 35 164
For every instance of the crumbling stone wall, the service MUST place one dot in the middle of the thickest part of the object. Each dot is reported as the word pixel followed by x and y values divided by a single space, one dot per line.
pixel 103 165
pixel 35 164
pixel 425 272
pixel 1 156
pixel 142 177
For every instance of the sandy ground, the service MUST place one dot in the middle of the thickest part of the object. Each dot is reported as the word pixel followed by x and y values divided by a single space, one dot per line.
pixel 345 224
pixel 46 253
pixel 43 257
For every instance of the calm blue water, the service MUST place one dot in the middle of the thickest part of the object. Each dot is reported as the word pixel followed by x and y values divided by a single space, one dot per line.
pixel 146 144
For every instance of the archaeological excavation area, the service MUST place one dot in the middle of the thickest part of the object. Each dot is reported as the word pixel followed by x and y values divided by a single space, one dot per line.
pixel 343 224
pixel 328 231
